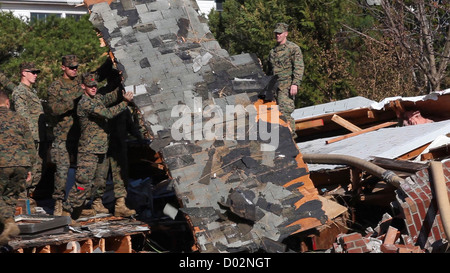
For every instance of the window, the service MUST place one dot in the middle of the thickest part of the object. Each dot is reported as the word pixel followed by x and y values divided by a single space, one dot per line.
pixel 219 5
pixel 77 17
pixel 42 16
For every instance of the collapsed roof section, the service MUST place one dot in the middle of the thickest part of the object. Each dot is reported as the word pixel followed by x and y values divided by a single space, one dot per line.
pixel 243 188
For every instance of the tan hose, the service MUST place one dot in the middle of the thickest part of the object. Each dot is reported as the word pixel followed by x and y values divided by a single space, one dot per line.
pixel 441 192
pixel 371 168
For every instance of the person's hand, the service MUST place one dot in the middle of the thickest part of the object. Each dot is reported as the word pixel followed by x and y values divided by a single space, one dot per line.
pixel 29 177
pixel 294 90
pixel 128 96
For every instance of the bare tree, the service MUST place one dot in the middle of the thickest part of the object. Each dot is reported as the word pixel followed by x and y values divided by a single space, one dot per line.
pixel 422 30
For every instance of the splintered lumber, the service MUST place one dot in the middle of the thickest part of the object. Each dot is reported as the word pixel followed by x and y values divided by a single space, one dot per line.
pixel 345 123
pixel 370 129
pixel 308 124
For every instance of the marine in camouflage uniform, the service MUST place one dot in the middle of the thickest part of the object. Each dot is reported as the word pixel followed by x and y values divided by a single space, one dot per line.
pixel 63 96
pixel 27 103
pixel 92 167
pixel 286 62
pixel 119 127
pixel 17 154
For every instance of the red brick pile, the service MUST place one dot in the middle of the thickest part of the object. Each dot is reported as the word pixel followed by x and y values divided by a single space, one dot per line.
pixel 391 242
pixel 417 208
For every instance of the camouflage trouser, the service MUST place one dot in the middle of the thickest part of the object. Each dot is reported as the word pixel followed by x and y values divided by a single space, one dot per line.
pixel 61 158
pixel 119 185
pixel 286 103
pixel 36 172
pixel 90 178
pixel 12 183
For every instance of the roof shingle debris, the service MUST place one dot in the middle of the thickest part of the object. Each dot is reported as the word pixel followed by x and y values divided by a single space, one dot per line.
pixel 238 194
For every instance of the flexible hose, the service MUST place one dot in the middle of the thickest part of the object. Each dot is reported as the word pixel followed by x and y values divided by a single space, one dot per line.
pixel 371 168
pixel 441 192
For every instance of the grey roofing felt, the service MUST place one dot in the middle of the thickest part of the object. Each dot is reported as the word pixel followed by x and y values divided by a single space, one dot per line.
pixel 387 142
pixel 169 58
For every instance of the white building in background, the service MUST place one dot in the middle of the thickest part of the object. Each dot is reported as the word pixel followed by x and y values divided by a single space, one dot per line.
pixel 206 5
pixel 41 9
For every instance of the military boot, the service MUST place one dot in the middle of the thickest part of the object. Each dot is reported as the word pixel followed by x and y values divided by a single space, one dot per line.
pixel 58 208
pixel 121 210
pixel 10 229
pixel 88 212
pixel 97 205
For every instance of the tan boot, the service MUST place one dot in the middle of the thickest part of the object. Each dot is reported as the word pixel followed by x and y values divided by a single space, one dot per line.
pixel 88 212
pixel 97 205
pixel 121 210
pixel 58 208
pixel 10 230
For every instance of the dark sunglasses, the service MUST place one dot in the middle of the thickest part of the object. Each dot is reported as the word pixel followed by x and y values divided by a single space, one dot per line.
pixel 73 67
pixel 34 72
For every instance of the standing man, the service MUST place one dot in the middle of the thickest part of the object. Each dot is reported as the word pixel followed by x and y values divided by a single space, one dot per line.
pixel 63 96
pixel 28 105
pixel 118 127
pixel 286 62
pixel 94 111
pixel 17 154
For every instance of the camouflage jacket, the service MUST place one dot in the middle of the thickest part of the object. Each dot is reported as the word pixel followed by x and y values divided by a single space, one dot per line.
pixel 63 95
pixel 29 106
pixel 94 114
pixel 16 144
pixel 286 61
pixel 6 83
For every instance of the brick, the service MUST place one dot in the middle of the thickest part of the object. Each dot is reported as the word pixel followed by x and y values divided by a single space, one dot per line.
pixel 355 250
pixel 351 237
pixel 349 245
pixel 388 248
pixel 391 235
pixel 417 221
pixel 422 210
pixel 412 205
pixel 412 230
pixel 436 233
pixel 359 243
pixel 408 249
pixel 413 195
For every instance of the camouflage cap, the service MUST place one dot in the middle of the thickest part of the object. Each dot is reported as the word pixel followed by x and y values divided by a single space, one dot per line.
pixel 281 27
pixel 29 66
pixel 89 79
pixel 70 60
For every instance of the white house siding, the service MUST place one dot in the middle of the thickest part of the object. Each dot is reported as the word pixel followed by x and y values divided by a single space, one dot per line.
pixel 24 9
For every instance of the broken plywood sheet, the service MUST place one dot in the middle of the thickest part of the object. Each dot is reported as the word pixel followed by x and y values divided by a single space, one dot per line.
pixel 237 188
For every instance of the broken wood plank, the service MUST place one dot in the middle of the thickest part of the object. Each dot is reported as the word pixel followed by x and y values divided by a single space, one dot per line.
pixel 370 129
pixel 436 153
pixel 414 153
pixel 345 123
pixel 308 124
pixel 400 165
